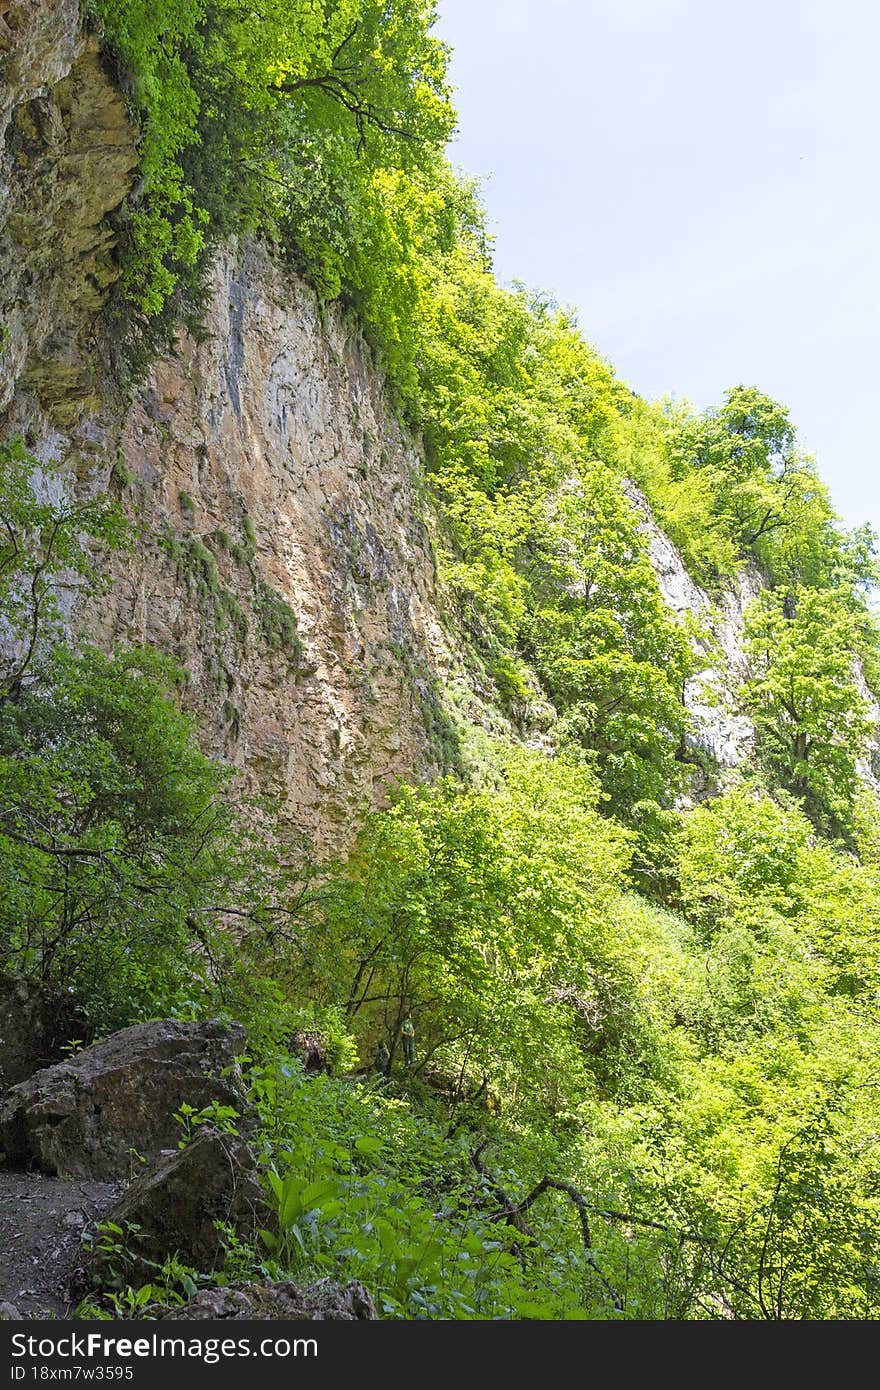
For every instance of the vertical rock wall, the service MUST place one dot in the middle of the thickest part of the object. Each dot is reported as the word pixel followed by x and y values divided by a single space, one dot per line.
pixel 67 152
pixel 280 549
pixel 284 558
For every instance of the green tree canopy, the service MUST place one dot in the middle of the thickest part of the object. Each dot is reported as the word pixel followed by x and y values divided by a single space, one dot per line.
pixel 804 696
pixel 111 834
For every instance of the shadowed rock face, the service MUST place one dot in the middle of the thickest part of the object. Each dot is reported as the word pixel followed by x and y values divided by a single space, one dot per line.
pixel 67 154
pixel 282 1302
pixel 214 1178
pixel 35 1025
pixel 82 1118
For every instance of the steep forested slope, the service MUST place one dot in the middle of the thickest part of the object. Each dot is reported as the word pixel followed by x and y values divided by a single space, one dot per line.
pixel 643 978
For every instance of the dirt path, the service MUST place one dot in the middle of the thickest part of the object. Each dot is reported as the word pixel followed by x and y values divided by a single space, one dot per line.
pixel 41 1223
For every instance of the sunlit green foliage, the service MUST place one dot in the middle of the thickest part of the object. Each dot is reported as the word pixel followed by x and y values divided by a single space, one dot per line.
pixel 732 484
pixel 610 654
pixel 323 127
pixel 702 1082
pixel 164 228
pixel 365 1187
pixel 482 915
pixel 803 693
pixel 288 117
pixel 109 833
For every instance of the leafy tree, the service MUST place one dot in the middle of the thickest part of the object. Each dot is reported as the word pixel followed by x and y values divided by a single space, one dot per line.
pixel 749 863
pixel 369 69
pixel 739 485
pixel 798 1239
pixel 803 694
pixel 739 850
pixel 613 658
pixel 111 835
pixel 164 229
pixel 481 914
pixel 271 119
pixel 696 1087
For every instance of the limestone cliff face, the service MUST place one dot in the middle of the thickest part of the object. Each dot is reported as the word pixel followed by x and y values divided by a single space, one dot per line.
pixel 285 560
pixel 281 552
pixel 717 730
pixel 67 150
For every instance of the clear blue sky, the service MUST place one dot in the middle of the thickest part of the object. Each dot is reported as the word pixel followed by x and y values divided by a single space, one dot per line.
pixel 700 181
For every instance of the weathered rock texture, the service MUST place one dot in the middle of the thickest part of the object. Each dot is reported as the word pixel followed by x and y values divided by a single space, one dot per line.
pixel 868 767
pixel 268 470
pixel 213 1179
pixel 83 1118
pixel 281 552
pixel 717 729
pixel 35 1025
pixel 280 1302
pixel 67 150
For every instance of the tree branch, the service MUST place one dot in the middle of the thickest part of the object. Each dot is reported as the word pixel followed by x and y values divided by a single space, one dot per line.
pixel 513 1214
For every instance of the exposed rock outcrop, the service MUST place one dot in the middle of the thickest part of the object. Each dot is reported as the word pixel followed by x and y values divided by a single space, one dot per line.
pixel 281 551
pixel 285 559
pixel 83 1118
pixel 213 1179
pixel 67 152
pixel 726 736
pixel 868 767
pixel 35 1025
pixel 281 1302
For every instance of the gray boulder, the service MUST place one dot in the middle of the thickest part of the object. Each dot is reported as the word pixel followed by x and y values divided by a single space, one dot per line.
pixel 280 1302
pixel 35 1024
pixel 213 1179
pixel 84 1117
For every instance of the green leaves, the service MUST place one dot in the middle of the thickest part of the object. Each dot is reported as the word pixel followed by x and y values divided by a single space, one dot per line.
pixel 612 657
pixel 111 839
pixel 277 119
pixel 734 486
pixel 707 1078
pixel 804 695
pixel 165 231
pixel 407 1224
pixel 216 1116
pixel 368 1145
pixel 296 1197
pixel 482 913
